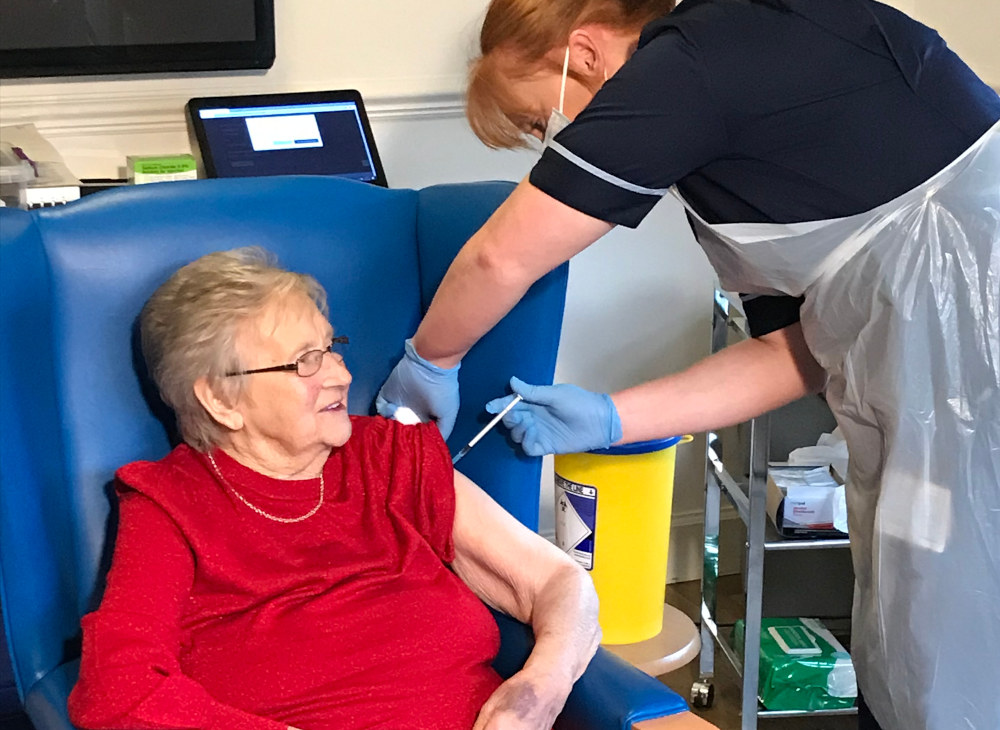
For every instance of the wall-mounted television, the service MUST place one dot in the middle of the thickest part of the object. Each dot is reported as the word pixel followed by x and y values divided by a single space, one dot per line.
pixel 84 37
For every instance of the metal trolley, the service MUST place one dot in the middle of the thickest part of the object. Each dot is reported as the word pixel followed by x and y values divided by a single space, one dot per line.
pixel 749 500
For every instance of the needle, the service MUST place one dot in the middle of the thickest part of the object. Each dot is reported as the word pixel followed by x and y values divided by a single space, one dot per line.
pixel 491 424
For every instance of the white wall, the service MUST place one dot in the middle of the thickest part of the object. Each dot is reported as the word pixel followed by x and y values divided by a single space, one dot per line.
pixel 638 303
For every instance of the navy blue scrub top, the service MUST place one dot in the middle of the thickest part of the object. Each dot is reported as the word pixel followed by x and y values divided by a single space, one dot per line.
pixel 822 109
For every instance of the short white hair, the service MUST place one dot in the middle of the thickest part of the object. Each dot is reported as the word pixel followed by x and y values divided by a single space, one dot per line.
pixel 189 329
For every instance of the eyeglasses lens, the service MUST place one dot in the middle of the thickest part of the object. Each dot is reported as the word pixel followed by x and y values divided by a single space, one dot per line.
pixel 309 363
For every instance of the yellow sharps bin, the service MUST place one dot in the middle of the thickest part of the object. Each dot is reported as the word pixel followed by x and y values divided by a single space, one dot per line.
pixel 612 516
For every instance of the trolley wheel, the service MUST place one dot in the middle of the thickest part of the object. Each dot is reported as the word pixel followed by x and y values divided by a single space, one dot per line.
pixel 702 693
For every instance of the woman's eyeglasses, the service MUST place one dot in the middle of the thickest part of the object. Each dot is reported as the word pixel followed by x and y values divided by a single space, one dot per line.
pixel 306 365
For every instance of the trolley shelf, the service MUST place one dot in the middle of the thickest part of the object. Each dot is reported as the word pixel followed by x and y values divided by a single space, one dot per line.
pixel 748 499
pixel 737 664
pixel 774 541
pixel 736 493
pixel 807 713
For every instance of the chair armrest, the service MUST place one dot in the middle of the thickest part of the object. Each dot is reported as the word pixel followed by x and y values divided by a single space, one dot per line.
pixel 611 694
pixel 45 702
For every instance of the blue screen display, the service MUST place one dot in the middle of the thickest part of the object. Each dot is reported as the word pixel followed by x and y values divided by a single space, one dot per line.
pixel 292 139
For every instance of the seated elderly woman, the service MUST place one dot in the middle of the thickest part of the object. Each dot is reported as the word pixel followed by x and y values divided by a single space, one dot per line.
pixel 290 565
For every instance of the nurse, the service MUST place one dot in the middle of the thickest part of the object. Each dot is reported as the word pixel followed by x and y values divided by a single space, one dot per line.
pixel 840 166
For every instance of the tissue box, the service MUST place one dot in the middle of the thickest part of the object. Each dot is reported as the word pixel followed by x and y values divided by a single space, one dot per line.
pixel 802 500
pixel 802 665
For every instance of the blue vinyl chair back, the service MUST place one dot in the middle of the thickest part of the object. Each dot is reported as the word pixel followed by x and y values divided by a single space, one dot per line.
pixel 76 404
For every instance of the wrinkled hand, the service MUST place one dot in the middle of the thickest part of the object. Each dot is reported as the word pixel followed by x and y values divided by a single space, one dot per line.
pixel 522 703
pixel 430 391
pixel 559 419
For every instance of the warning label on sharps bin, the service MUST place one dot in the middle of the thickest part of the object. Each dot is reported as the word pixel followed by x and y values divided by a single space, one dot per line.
pixel 576 516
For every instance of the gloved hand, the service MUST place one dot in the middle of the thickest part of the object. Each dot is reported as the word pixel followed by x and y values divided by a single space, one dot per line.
pixel 430 391
pixel 559 419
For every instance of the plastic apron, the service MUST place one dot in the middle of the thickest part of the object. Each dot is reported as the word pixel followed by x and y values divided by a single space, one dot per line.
pixel 902 309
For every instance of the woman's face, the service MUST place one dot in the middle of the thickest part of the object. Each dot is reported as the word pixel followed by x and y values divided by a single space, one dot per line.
pixel 596 53
pixel 287 419
pixel 538 94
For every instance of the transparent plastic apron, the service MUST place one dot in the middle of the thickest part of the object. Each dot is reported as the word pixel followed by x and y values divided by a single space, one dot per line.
pixel 902 309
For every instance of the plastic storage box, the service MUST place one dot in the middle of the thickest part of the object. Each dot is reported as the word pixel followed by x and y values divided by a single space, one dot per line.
pixel 15 172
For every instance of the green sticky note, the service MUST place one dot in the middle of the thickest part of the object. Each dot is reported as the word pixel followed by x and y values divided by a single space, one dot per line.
pixel 165 165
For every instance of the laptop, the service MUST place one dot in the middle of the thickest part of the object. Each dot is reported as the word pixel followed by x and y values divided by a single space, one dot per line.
pixel 302 133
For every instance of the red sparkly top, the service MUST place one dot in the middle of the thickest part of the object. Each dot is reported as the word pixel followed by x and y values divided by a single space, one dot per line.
pixel 217 617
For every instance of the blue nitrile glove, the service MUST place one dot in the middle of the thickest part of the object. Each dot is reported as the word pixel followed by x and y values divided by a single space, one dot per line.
pixel 428 390
pixel 559 419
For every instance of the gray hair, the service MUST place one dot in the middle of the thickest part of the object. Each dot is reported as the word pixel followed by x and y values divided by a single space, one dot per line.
pixel 189 329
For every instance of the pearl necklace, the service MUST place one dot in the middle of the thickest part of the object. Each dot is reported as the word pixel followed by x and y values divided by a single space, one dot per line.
pixel 261 512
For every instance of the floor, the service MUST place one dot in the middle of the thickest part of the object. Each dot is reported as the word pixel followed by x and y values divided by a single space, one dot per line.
pixel 725 710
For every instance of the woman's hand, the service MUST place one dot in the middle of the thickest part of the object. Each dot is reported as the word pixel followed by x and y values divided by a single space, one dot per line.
pixel 559 419
pixel 524 702
pixel 426 389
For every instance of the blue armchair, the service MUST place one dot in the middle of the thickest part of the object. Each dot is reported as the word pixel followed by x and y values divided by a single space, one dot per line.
pixel 75 405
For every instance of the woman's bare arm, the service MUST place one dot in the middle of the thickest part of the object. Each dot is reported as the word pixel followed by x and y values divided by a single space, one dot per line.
pixel 740 382
pixel 530 234
pixel 520 573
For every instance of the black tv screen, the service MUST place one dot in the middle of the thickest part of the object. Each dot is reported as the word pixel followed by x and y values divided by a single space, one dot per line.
pixel 82 37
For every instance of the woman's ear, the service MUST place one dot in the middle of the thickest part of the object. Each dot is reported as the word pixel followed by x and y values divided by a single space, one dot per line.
pixel 586 54
pixel 218 407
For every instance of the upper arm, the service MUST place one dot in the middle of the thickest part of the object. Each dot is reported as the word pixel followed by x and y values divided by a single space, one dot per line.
pixel 152 568
pixel 790 343
pixel 501 560
pixel 131 644
pixel 138 624
pixel 532 233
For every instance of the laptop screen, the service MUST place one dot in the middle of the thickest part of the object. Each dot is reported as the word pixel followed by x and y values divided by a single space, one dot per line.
pixel 314 133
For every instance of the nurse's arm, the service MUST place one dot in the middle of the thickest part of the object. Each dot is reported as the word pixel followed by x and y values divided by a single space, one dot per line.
pixel 530 234
pixel 520 573
pixel 731 386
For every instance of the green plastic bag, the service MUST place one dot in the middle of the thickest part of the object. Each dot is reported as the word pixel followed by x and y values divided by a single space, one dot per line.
pixel 802 665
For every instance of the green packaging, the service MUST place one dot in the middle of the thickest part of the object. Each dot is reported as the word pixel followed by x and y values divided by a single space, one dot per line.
pixel 162 168
pixel 802 665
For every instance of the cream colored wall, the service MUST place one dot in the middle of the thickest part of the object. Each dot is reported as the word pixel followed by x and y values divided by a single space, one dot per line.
pixel 970 27
pixel 393 52
pixel 388 47
pixel 639 302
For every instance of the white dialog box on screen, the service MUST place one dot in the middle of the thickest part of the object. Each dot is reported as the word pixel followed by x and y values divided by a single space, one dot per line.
pixel 284 132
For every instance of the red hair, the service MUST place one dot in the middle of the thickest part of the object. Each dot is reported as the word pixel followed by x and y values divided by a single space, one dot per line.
pixel 516 37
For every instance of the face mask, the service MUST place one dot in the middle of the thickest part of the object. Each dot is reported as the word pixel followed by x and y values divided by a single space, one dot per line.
pixel 557 120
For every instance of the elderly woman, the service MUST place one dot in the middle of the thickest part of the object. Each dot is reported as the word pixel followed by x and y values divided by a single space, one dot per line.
pixel 290 565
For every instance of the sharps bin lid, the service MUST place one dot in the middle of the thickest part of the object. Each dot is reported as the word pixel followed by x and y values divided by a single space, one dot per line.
pixel 639 447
